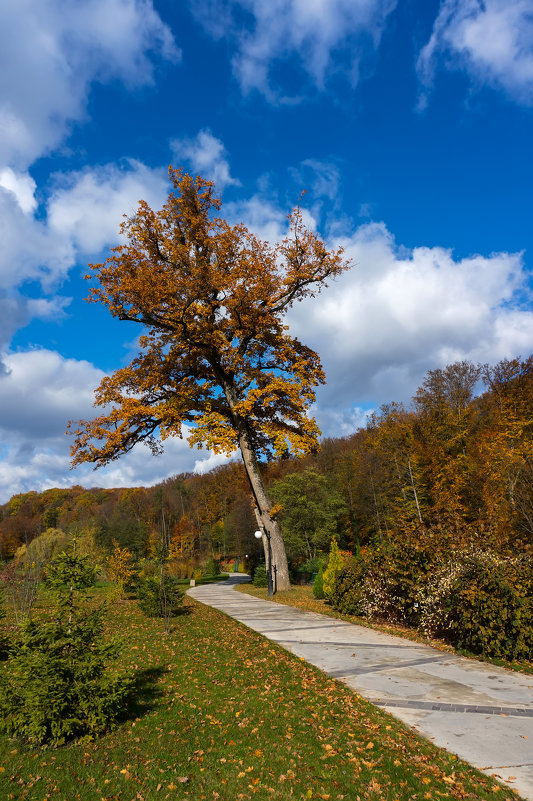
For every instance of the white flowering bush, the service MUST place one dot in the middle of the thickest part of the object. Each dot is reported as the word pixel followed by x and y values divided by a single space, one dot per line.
pixel 483 603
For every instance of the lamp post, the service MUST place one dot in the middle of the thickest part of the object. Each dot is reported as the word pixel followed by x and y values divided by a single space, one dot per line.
pixel 270 591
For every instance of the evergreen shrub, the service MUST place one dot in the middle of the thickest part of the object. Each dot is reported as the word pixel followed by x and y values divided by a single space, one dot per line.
pixel 347 592
pixel 212 567
pixel 260 576
pixel 68 570
pixel 318 584
pixel 56 685
pixel 335 565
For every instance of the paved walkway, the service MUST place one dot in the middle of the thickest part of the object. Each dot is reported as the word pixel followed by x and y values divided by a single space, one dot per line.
pixel 480 712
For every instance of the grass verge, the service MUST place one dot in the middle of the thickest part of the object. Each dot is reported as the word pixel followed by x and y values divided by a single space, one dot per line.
pixel 220 713
pixel 302 597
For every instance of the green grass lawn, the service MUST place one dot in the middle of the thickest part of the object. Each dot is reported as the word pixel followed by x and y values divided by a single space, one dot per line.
pixel 221 713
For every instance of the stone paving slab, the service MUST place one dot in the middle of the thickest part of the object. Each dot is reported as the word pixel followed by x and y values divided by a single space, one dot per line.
pixel 480 712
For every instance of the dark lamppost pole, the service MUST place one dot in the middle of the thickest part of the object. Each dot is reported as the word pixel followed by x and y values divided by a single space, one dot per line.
pixel 258 534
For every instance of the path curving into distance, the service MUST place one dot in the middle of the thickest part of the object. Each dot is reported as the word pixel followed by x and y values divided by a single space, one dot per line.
pixel 480 712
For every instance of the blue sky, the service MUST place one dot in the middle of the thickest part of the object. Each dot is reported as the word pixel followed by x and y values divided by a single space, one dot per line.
pixel 407 122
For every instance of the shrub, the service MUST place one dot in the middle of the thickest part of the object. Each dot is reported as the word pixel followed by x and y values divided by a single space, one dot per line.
pixel 212 567
pixel 346 595
pixel 68 570
pixel 318 584
pixel 56 686
pixel 384 584
pixel 159 596
pixel 260 576
pixel 335 565
pixel 120 568
pixel 482 603
pixel 399 576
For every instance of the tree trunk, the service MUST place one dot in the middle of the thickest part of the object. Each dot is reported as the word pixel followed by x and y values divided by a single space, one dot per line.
pixel 266 523
pixel 262 504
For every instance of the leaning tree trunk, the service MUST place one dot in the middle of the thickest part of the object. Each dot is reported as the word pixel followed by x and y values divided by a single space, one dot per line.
pixel 262 504
pixel 262 507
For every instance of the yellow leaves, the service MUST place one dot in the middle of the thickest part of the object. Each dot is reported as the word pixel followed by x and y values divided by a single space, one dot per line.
pixel 211 298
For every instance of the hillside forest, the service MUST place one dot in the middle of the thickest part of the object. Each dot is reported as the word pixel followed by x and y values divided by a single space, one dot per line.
pixel 455 468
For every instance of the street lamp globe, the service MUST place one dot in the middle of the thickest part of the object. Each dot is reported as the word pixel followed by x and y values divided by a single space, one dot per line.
pixel 258 534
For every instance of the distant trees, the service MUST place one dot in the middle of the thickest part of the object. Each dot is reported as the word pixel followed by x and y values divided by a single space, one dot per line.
pixel 456 468
pixel 309 510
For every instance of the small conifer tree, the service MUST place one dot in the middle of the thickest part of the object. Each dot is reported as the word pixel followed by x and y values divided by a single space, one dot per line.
pixel 335 565
pixel 260 576
pixel 318 584
pixel 56 685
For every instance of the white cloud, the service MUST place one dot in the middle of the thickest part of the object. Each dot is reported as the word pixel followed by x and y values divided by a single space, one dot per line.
pixel 207 156
pixel 491 40
pixel 325 37
pixel 378 329
pixel 208 463
pixel 84 214
pixel 87 207
pixel 39 392
pixel 260 214
pixel 30 251
pixel 42 391
pixel 50 52
pixel 21 186
pixel 398 313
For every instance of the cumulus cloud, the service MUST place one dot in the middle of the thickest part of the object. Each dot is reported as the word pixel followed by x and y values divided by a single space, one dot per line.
pixel 87 207
pixel 325 37
pixel 30 250
pixel 260 214
pixel 207 156
pixel 378 329
pixel 21 186
pixel 398 313
pixel 491 40
pixel 51 51
pixel 39 392
pixel 84 213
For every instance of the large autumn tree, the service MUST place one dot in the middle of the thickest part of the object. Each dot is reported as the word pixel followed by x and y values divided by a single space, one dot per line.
pixel 215 355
